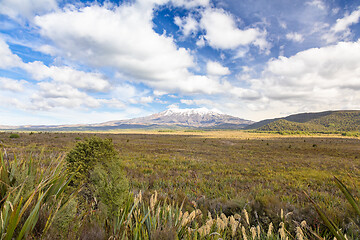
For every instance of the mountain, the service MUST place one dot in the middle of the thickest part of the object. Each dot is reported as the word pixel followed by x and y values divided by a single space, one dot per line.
pixel 323 121
pixel 172 118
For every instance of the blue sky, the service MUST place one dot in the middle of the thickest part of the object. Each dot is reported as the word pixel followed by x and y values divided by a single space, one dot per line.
pixel 64 62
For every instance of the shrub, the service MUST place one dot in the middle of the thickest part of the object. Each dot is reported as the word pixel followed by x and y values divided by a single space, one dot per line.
pixel 97 169
pixel 14 135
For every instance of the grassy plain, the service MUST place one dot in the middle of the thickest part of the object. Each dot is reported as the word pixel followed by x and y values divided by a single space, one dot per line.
pixel 226 171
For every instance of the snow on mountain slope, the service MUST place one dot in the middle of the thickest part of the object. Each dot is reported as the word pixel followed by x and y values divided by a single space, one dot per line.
pixel 199 117
pixel 174 117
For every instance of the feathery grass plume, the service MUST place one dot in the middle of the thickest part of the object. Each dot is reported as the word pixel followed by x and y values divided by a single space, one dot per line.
pixel 270 230
pixel 185 218
pixel 192 215
pixel 246 216
pixel 237 216
pixel 202 231
pixel 234 225
pixel 205 229
pixel 258 231
pixel 180 216
pixel 303 224
pixel 243 233
pixel 209 216
pixel 282 214
pixel 138 198
pixel 153 201
pixel 299 234
pixel 282 231
pixel 288 214
pixel 253 232
pixel 220 224
pixel 224 218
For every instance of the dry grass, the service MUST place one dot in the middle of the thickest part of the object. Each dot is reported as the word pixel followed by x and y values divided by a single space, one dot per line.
pixel 227 170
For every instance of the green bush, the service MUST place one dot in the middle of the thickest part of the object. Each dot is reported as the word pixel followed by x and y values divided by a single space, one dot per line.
pixel 97 169
pixel 14 135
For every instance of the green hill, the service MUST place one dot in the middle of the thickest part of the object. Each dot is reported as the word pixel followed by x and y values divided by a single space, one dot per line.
pixel 285 125
pixel 330 121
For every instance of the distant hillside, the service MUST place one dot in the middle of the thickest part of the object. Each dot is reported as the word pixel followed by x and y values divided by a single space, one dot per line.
pixel 299 118
pixel 285 125
pixel 312 122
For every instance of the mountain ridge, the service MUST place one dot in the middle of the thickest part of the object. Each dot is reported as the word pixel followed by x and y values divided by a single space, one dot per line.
pixel 171 118
pixel 341 120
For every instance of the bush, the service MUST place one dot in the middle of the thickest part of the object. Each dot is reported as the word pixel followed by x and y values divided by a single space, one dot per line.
pixel 14 135
pixel 97 169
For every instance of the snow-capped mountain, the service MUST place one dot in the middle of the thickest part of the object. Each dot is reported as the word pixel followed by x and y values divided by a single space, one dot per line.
pixel 171 118
pixel 197 118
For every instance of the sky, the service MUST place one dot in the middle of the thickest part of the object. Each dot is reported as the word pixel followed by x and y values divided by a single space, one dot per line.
pixel 67 62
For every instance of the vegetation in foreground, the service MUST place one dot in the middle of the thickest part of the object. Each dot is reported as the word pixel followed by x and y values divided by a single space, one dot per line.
pixel 93 213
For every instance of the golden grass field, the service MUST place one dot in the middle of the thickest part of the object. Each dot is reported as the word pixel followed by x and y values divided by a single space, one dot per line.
pixel 225 170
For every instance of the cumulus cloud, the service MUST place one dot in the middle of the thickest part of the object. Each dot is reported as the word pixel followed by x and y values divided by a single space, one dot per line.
pixel 188 25
pixel 79 79
pixel 122 38
pixel 26 8
pixel 341 29
pixel 199 102
pixel 223 33
pixel 54 95
pixel 317 3
pixel 7 58
pixel 317 78
pixel 191 3
pixel 216 69
pixel 47 49
pixel 296 37
pixel 12 84
pixel 57 87
pixel 142 100
pixel 343 24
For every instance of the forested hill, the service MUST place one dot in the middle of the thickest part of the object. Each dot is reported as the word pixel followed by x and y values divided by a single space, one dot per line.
pixel 322 121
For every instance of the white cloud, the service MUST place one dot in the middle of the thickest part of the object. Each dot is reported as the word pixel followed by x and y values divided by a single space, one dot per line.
pixel 341 30
pixel 199 102
pixel 194 84
pixel 296 37
pixel 316 79
pixel 317 3
pixel 7 58
pixel 47 49
pixel 12 84
pixel 122 38
pixel 142 100
pixel 187 25
pixel 216 69
pixel 200 42
pixel 222 32
pixel 79 79
pixel 58 86
pixel 26 8
pixel 55 95
pixel 343 24
pixel 191 3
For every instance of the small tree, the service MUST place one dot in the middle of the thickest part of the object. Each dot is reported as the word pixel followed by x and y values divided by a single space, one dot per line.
pixel 98 172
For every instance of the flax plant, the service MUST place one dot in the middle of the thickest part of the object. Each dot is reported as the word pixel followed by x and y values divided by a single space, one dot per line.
pixel 26 190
